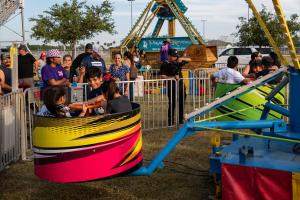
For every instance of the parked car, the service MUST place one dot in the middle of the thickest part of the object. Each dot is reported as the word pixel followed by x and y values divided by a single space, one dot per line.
pixel 242 53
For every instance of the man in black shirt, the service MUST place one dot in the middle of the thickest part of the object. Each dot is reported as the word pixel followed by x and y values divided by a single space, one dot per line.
pixel 78 60
pixel 172 69
pixel 26 64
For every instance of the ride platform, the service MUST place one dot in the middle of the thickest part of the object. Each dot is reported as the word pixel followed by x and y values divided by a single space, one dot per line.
pixel 254 168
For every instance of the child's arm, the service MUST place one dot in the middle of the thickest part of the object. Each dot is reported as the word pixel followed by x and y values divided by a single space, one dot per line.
pixel 84 110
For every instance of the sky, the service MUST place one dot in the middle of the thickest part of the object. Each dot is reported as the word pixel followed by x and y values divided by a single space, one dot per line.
pixel 221 17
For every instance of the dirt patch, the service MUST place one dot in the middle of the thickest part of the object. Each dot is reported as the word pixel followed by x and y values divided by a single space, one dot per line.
pixel 185 176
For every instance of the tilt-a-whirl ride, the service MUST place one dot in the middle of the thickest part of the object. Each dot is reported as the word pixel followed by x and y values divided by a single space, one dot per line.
pixel 87 148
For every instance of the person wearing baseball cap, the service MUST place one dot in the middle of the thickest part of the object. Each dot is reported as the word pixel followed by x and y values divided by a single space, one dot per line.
pixel 26 65
pixel 172 69
pixel 94 60
pixel 164 50
pixel 78 60
pixel 53 73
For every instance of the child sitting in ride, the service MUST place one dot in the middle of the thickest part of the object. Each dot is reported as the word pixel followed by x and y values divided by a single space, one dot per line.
pixel 230 75
pixel 116 103
pixel 268 67
pixel 95 82
pixel 54 103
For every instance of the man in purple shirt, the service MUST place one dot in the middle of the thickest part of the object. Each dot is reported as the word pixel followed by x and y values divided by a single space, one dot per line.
pixel 53 73
pixel 164 50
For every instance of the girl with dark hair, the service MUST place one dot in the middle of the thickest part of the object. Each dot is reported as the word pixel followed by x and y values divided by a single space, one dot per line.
pixel 116 103
pixel 54 103
pixel 249 68
pixel 276 61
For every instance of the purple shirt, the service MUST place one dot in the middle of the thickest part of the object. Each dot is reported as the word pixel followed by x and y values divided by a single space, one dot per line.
pixel 56 73
pixel 164 52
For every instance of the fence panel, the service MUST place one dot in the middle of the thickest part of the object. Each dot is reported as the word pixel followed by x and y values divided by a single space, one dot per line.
pixel 11 118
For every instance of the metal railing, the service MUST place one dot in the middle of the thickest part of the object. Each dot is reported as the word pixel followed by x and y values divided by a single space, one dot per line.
pixel 12 118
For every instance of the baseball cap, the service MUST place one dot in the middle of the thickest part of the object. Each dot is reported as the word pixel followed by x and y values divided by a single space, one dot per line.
pixel 173 53
pixel 53 53
pixel 96 50
pixel 6 55
pixel 22 47
pixel 43 54
pixel 168 40
pixel 89 46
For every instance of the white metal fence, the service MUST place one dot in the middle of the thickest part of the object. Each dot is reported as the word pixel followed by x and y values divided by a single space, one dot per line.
pixel 12 119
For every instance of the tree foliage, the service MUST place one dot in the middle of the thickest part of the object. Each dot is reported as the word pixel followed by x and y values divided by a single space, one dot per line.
pixel 70 22
pixel 251 34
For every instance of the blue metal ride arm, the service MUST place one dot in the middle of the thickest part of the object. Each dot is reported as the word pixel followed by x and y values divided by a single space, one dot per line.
pixel 269 106
pixel 277 125
pixel 158 159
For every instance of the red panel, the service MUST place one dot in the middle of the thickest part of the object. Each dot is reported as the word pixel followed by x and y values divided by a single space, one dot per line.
pixel 250 183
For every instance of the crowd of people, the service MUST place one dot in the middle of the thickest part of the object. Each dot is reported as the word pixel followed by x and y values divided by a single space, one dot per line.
pixel 56 73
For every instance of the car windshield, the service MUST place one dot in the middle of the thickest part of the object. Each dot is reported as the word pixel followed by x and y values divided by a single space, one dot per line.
pixel 264 50
pixel 243 51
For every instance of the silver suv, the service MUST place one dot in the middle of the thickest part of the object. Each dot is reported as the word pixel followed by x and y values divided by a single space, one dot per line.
pixel 242 53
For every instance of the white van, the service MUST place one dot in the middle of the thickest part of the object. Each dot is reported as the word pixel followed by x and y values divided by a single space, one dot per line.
pixel 242 53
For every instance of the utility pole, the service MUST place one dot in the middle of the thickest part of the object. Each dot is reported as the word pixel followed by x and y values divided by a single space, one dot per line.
pixel 131 12
pixel 248 13
pixel 21 6
pixel 203 28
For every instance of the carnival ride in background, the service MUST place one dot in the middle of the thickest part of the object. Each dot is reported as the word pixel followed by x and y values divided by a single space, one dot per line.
pixel 171 11
pixel 263 163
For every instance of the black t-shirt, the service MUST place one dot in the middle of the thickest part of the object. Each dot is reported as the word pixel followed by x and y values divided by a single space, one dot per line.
pixel 119 105
pixel 95 93
pixel 25 66
pixel 172 68
pixel 265 72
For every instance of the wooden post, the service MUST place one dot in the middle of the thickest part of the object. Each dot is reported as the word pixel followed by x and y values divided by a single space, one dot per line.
pixel 172 28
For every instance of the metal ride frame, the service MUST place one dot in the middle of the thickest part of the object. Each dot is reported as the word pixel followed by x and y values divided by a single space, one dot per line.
pixel 278 129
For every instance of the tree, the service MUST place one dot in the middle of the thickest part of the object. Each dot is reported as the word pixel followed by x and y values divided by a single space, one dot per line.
pixel 71 22
pixel 251 34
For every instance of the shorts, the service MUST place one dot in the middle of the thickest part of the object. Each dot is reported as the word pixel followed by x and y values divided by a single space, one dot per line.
pixel 26 83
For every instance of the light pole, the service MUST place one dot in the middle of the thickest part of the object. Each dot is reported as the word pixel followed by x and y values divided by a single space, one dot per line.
pixel 248 13
pixel 203 27
pixel 22 18
pixel 131 11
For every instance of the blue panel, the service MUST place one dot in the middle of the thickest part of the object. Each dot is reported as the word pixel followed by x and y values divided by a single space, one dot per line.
pixel 154 44
pixel 267 154
pixel 294 104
